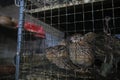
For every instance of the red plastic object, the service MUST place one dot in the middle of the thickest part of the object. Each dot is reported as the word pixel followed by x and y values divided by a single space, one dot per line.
pixel 37 30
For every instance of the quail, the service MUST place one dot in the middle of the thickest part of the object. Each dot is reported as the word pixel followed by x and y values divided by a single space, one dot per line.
pixel 90 36
pixel 80 52
pixel 60 57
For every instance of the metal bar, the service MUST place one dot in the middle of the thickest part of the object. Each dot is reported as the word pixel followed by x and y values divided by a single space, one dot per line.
pixel 19 39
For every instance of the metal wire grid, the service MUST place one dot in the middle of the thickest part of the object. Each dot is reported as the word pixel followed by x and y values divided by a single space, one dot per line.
pixel 102 11
pixel 86 13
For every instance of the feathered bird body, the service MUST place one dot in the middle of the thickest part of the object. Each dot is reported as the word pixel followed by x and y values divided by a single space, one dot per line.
pixel 59 56
pixel 50 54
pixel 89 37
pixel 80 51
pixel 80 54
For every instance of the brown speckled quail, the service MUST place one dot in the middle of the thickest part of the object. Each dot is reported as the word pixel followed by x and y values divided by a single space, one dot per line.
pixel 50 54
pixel 90 36
pixel 80 52
pixel 60 57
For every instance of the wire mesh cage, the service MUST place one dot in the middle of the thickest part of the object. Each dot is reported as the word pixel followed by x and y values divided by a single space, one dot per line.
pixel 81 40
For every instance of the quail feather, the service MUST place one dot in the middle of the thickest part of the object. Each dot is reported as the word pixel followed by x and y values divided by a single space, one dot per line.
pixel 59 56
pixel 80 52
